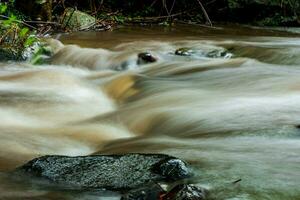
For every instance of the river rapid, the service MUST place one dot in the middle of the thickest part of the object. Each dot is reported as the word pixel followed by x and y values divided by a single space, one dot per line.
pixel 231 109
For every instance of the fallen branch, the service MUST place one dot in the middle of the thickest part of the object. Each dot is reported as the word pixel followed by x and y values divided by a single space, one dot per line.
pixel 19 21
pixel 161 17
pixel 196 24
pixel 42 22
pixel 205 13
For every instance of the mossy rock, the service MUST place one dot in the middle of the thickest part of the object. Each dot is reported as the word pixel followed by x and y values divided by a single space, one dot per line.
pixel 75 20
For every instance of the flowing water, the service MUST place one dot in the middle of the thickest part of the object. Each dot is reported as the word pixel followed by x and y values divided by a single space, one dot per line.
pixel 231 109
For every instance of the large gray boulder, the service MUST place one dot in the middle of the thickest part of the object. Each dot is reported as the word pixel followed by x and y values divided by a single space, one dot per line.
pixel 112 172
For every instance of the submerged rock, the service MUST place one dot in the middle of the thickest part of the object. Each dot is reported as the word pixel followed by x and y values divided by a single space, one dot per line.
pixel 173 169
pixel 184 52
pixel 148 192
pixel 113 172
pixel 185 192
pixel 145 58
pixel 219 54
pixel 154 191
pixel 205 52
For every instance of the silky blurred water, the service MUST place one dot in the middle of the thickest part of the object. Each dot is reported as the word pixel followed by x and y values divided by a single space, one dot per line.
pixel 231 109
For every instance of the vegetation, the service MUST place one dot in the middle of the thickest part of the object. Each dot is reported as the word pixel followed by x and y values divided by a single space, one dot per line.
pixel 257 12
pixel 265 12
pixel 22 21
pixel 16 38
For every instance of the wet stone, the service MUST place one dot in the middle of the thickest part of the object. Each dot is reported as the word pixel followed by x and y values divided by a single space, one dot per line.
pixel 185 192
pixel 219 54
pixel 149 192
pixel 172 169
pixel 145 58
pixel 122 66
pixel 184 52
pixel 112 172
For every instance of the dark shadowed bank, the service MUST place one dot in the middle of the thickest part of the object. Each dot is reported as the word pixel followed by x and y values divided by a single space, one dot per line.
pixel 23 22
pixel 257 12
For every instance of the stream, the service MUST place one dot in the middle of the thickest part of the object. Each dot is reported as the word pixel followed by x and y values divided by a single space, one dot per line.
pixel 230 108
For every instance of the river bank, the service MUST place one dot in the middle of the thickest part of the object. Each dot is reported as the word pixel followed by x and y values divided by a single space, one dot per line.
pixel 24 23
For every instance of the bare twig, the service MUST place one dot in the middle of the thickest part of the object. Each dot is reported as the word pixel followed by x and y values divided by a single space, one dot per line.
pixel 292 7
pixel 153 3
pixel 201 25
pixel 172 7
pixel 87 27
pixel 44 31
pixel 165 6
pixel 42 22
pixel 237 181
pixel 205 13
pixel 100 6
pixel 19 21
pixel 157 18
pixel 212 1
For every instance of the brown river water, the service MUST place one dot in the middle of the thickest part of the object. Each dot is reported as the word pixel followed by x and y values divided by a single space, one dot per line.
pixel 231 109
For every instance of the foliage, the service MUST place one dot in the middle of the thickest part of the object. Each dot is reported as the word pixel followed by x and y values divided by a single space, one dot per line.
pixel 41 55
pixel 259 12
pixel 265 12
pixel 15 37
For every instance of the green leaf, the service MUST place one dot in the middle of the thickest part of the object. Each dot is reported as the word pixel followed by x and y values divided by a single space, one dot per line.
pixel 7 23
pixel 12 17
pixel 29 41
pixel 23 32
pixel 3 8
